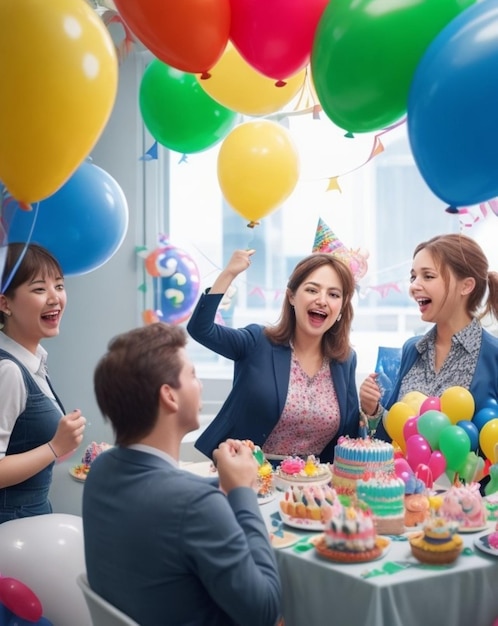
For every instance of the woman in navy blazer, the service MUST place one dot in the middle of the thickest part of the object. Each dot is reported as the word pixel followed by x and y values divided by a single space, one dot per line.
pixel 294 388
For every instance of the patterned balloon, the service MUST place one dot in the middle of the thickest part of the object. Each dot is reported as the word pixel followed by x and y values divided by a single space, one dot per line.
pixel 176 283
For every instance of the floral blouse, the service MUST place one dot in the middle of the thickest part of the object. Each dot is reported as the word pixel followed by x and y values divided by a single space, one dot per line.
pixel 310 418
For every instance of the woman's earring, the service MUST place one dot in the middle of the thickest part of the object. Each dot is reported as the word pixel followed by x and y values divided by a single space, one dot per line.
pixel 339 317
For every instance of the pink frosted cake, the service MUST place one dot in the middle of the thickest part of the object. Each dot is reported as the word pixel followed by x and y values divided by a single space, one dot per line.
pixel 384 494
pixel 91 453
pixel 465 505
pixel 294 470
pixel 354 457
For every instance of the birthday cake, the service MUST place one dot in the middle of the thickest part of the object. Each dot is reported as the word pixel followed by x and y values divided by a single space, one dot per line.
pixel 350 535
pixel 438 543
pixel 464 504
pixel 294 470
pixel 354 457
pixel 92 451
pixel 384 494
pixel 312 502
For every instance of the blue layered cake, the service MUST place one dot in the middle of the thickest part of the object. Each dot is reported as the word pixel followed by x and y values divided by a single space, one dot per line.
pixel 353 458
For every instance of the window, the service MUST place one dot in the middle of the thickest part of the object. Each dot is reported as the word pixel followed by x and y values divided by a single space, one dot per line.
pixel 382 205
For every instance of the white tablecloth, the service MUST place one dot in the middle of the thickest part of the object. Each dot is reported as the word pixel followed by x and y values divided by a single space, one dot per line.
pixel 317 592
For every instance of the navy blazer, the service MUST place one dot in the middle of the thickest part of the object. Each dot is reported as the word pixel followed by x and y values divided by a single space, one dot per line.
pixel 260 382
pixel 484 385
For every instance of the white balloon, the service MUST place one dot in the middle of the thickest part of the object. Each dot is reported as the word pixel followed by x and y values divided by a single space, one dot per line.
pixel 46 553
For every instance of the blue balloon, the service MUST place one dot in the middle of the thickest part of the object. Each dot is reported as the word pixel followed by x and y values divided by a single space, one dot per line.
pixel 83 224
pixel 452 108
pixel 472 431
pixel 17 621
pixel 492 403
pixel 5 615
pixel 483 416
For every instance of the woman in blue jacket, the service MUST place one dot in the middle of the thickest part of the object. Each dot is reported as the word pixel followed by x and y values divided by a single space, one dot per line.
pixel 453 287
pixel 294 389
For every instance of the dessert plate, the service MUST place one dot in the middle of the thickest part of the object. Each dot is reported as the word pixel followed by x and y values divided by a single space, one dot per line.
pixel 77 474
pixel 482 543
pixel 382 546
pixel 269 497
pixel 302 523
pixel 470 529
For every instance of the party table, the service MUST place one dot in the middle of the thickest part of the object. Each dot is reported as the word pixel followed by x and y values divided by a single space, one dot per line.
pixel 394 590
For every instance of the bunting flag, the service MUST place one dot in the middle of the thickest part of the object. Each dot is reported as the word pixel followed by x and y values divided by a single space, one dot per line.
pixel 334 185
pixel 151 154
pixel 470 215
pixel 327 241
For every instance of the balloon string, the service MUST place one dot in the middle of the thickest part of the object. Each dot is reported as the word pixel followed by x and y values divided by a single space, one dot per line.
pixel 10 277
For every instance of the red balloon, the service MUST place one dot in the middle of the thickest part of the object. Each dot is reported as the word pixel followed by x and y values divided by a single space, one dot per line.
pixel 189 35
pixel 275 36
pixel 19 599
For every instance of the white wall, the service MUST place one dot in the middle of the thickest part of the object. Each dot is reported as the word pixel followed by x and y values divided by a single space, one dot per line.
pixel 105 302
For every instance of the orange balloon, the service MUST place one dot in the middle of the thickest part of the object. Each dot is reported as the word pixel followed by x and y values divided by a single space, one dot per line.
pixel 238 86
pixel 394 421
pixel 189 35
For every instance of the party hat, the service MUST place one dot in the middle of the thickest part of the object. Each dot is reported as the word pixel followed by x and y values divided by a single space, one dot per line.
pixel 327 241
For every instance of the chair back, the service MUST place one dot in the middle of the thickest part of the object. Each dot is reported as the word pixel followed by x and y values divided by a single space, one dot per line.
pixel 103 613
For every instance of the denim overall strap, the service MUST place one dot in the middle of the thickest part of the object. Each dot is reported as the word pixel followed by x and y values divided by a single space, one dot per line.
pixel 35 426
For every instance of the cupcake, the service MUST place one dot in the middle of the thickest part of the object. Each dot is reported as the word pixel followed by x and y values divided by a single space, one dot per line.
pixel 438 543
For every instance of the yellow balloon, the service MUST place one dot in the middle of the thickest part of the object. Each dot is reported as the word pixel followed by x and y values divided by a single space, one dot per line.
pixel 488 440
pixel 414 399
pixel 58 73
pixel 394 421
pixel 457 403
pixel 238 86
pixel 258 168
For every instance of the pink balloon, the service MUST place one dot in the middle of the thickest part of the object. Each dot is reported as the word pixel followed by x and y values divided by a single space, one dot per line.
pixel 275 37
pixel 401 467
pixel 432 403
pixel 423 472
pixel 410 427
pixel 19 599
pixel 417 451
pixel 437 464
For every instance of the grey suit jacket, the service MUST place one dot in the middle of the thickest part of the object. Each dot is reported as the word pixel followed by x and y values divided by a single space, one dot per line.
pixel 168 548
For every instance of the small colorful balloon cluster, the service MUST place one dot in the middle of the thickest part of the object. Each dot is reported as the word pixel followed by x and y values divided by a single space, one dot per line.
pixel 19 605
pixel 443 434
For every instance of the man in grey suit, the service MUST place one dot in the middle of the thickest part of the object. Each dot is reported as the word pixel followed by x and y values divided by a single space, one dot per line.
pixel 165 546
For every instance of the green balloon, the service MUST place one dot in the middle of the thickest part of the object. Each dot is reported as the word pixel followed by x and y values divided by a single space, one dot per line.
pixel 178 113
pixel 454 444
pixel 365 53
pixel 430 424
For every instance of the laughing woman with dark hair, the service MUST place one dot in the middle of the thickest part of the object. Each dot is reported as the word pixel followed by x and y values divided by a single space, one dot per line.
pixel 34 430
